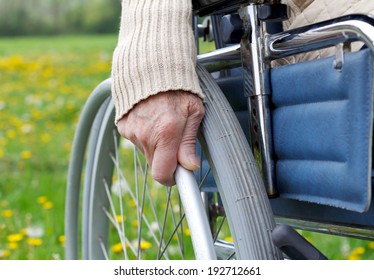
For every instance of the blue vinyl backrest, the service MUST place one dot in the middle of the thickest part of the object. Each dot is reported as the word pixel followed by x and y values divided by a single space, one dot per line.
pixel 322 131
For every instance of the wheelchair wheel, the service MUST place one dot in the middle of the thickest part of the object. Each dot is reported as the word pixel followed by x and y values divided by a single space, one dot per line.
pixel 126 215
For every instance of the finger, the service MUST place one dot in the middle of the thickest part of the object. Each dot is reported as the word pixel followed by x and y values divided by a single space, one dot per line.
pixel 164 162
pixel 187 149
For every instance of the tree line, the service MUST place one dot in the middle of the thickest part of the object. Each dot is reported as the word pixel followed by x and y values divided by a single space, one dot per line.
pixel 51 17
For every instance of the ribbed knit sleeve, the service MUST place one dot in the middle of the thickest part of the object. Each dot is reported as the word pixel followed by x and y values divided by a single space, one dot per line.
pixel 155 53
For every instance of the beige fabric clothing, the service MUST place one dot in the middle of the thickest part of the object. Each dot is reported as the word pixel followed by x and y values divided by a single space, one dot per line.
pixel 155 53
pixel 156 49
pixel 305 12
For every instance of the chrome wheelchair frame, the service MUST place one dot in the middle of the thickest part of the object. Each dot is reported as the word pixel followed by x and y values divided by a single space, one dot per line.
pixel 239 178
pixel 255 53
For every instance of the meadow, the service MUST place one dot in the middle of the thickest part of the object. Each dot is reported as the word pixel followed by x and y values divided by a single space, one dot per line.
pixel 44 83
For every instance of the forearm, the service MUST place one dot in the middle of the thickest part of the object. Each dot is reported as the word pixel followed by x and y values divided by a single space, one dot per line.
pixel 155 52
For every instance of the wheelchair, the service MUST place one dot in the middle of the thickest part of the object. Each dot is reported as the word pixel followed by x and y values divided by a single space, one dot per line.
pixel 282 147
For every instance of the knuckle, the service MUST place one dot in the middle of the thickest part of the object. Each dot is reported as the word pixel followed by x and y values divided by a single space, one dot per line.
pixel 197 108
pixel 122 132
pixel 121 129
pixel 200 112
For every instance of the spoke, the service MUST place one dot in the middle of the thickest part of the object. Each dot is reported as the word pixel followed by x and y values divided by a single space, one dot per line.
pixel 153 208
pixel 182 231
pixel 163 227
pixel 219 228
pixel 103 249
pixel 202 180
pixel 115 224
pixel 140 171
pixel 145 175
pixel 172 234
pixel 120 190
pixel 141 214
pixel 142 197
pixel 136 188
pixel 180 244
pixel 231 256
pixel 131 193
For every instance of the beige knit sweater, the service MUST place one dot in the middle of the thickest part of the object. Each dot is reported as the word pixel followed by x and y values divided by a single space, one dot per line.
pixel 156 51
pixel 305 12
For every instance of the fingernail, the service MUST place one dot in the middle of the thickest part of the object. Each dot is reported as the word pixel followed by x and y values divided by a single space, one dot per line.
pixel 195 164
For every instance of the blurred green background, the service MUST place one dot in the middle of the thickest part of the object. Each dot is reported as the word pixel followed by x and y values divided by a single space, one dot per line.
pixel 51 17
pixel 52 54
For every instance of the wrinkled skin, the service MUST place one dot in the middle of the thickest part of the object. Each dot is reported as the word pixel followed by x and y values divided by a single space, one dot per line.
pixel 164 128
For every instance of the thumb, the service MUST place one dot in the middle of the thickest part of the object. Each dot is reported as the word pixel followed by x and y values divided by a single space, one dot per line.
pixel 187 155
pixel 187 149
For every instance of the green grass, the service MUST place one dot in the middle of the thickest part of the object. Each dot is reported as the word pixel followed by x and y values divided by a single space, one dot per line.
pixel 44 83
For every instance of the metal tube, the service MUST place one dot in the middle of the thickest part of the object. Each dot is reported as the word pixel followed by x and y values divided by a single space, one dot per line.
pixel 221 59
pixel 195 214
pixel 321 35
pixel 257 90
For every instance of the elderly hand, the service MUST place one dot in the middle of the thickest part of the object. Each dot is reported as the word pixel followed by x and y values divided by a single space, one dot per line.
pixel 164 128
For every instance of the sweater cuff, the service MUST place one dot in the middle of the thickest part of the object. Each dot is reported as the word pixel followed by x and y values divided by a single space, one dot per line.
pixel 155 52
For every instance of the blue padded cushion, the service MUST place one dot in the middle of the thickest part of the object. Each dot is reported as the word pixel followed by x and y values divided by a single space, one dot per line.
pixel 322 131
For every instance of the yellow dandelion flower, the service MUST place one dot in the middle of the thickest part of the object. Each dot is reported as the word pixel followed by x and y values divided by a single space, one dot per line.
pixel 354 257
pixel 309 239
pixel 36 114
pixel 121 219
pixel 34 241
pixel 46 138
pixel 16 237
pixel 70 106
pixel 7 213
pixel 12 245
pixel 26 154
pixel 11 133
pixel 1 153
pixel 359 250
pixel 187 232
pixel 117 248
pixel 371 245
pixel 135 223
pixel 47 205
pixel 144 245
pixel 42 199
pixel 228 239
pixel 356 253
pixel 47 72
pixel 15 62
pixel 132 203
pixel 4 254
pixel 61 239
